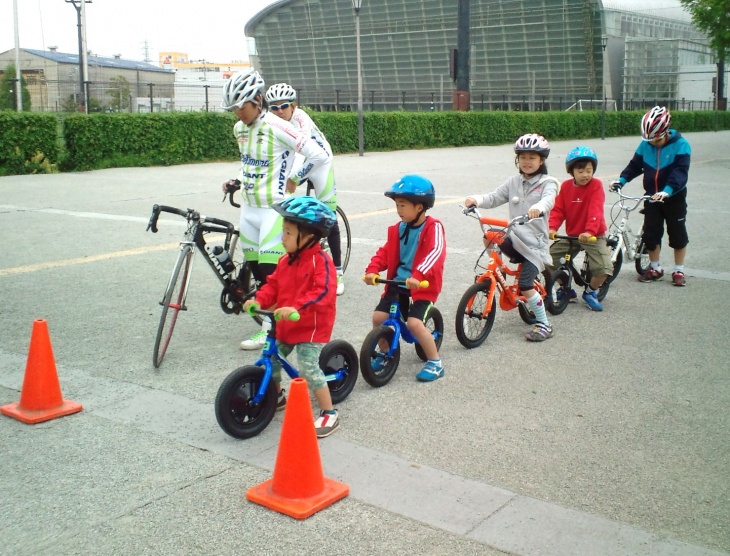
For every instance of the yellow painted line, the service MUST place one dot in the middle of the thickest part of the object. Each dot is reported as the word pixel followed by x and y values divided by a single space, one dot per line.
pixel 91 259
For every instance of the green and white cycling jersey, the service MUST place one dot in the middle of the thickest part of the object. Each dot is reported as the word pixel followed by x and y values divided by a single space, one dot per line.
pixel 267 150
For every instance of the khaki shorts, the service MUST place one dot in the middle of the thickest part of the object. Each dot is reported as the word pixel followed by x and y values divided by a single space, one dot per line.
pixel 597 253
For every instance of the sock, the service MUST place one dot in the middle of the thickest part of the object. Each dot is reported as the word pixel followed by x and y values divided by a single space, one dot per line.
pixel 538 307
pixel 436 362
pixel 339 270
pixel 679 268
pixel 590 289
pixel 330 411
pixel 655 265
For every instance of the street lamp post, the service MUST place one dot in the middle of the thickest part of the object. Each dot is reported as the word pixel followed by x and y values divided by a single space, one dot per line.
pixel 80 6
pixel 604 43
pixel 357 4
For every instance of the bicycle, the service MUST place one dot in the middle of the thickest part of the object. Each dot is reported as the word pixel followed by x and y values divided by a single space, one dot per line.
pixel 621 238
pixel 563 276
pixel 389 334
pixel 344 224
pixel 477 308
pixel 237 279
pixel 246 400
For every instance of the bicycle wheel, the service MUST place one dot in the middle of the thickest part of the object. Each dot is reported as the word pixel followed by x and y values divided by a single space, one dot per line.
pixel 474 320
pixel 545 281
pixel 603 290
pixel 345 237
pixel 642 255
pixel 435 323
pixel 560 292
pixel 172 303
pixel 339 355
pixel 235 412
pixel 376 366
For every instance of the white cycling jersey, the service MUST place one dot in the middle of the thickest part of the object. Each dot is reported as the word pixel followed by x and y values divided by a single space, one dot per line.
pixel 267 150
pixel 301 120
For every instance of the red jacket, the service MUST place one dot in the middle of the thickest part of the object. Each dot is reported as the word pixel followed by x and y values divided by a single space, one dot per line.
pixel 581 208
pixel 428 262
pixel 309 285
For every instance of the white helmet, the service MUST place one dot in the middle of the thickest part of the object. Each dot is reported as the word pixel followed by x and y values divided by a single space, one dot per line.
pixel 281 91
pixel 241 88
pixel 532 143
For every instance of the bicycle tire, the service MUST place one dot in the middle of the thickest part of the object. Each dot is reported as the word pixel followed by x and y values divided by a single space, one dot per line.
pixel 339 355
pixel 435 323
pixel 603 290
pixel 347 247
pixel 370 349
pixel 527 315
pixel 233 408
pixel 474 320
pixel 642 255
pixel 176 289
pixel 561 284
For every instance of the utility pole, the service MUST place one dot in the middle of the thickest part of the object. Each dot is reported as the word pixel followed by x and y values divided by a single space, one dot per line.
pixel 460 99
pixel 18 82
pixel 80 7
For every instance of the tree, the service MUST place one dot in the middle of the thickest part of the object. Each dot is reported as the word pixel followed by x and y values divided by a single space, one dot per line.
pixel 8 88
pixel 119 94
pixel 713 17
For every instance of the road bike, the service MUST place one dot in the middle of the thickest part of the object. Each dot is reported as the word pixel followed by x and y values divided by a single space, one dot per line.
pixel 477 308
pixel 345 238
pixel 237 279
pixel 380 352
pixel 622 239
pixel 246 400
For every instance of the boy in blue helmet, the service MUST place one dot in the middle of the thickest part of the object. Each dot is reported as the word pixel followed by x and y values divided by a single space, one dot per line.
pixel 415 251
pixel 580 205
pixel 305 281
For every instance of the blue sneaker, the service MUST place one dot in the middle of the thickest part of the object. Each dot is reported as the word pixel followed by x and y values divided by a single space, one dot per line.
pixel 572 295
pixel 592 300
pixel 378 363
pixel 430 372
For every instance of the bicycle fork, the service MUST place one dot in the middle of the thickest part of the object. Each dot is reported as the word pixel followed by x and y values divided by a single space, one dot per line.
pixel 188 271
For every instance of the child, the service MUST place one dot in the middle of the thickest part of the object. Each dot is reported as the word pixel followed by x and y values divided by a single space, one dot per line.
pixel 580 205
pixel 415 251
pixel 531 192
pixel 304 281
pixel 282 99
pixel 663 157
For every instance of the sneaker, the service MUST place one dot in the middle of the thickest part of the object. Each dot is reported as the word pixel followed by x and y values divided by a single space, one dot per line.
pixel 340 284
pixel 651 275
pixel 572 295
pixel 539 333
pixel 256 341
pixel 678 278
pixel 591 298
pixel 327 423
pixel 378 363
pixel 430 372
pixel 281 400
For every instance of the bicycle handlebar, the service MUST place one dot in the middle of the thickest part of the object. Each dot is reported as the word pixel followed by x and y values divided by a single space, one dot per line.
pixel 519 220
pixel 255 309
pixel 379 280
pixel 591 239
pixel 231 188
pixel 189 214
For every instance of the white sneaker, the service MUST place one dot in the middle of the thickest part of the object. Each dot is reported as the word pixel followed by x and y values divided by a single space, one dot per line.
pixel 340 284
pixel 256 341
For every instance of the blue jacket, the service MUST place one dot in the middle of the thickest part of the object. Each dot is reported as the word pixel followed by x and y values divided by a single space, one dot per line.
pixel 665 168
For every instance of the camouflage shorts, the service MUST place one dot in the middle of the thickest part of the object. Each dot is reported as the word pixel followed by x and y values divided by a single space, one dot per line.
pixel 307 363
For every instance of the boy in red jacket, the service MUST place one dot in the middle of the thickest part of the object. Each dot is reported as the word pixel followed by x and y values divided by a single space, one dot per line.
pixel 580 205
pixel 415 251
pixel 305 281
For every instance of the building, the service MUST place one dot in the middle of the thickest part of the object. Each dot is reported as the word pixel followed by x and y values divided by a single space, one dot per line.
pixel 524 55
pixel 115 84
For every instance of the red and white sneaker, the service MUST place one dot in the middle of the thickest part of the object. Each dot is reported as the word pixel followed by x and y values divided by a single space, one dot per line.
pixel 651 275
pixel 678 278
pixel 327 423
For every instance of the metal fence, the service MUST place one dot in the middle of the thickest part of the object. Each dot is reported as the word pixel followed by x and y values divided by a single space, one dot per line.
pixel 121 96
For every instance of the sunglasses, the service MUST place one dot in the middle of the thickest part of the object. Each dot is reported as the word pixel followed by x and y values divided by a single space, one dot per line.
pixel 277 107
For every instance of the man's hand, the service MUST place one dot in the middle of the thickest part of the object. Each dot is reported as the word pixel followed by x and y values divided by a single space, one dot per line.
pixel 291 186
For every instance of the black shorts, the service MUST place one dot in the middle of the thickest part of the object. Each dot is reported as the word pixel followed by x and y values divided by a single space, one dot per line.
pixel 416 309
pixel 673 211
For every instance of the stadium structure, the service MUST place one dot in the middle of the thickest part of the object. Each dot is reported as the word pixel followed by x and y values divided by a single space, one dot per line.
pixel 526 55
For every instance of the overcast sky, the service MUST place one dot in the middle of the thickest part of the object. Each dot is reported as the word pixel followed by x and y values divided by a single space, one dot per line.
pixel 207 30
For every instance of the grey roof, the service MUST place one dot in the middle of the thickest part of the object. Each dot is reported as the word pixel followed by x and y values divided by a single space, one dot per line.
pixel 64 58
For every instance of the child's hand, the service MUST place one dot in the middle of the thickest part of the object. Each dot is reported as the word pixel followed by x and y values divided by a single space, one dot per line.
pixel 248 303
pixel 552 234
pixel 282 313
pixel 412 283
pixel 470 202
pixel 533 213
pixel 585 237
pixel 369 279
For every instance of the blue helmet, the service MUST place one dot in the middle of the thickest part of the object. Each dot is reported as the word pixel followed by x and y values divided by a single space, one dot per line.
pixel 415 188
pixel 308 211
pixel 580 153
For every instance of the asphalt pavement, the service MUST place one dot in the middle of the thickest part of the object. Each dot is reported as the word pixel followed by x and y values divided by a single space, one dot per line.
pixel 611 438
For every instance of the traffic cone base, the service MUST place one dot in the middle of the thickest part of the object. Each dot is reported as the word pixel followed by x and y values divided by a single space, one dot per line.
pixel 40 397
pixel 299 508
pixel 298 487
pixel 31 417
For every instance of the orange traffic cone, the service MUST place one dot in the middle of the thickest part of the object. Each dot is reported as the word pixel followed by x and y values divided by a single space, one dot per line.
pixel 298 488
pixel 40 398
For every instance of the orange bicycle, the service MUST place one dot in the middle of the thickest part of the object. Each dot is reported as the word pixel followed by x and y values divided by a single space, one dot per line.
pixel 478 308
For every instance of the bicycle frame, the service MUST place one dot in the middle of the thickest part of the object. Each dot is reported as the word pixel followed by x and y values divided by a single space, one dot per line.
pixel 625 238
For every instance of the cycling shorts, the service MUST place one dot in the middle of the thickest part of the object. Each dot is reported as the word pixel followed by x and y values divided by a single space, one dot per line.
pixel 260 231
pixel 323 181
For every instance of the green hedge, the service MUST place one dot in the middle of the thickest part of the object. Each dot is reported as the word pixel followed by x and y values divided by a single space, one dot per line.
pixel 119 140
pixel 28 143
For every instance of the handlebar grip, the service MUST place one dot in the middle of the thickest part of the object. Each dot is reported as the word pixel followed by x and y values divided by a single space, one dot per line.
pixel 423 284
pixel 252 308
pixel 152 224
pixel 295 316
pixel 231 188
pixel 592 239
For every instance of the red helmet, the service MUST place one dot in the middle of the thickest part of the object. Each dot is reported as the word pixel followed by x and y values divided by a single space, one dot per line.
pixel 655 123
